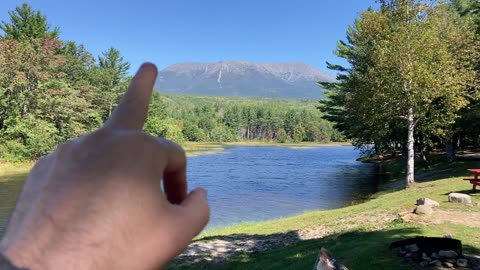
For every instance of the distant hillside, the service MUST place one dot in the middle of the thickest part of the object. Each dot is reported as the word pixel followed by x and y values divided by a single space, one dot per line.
pixel 243 79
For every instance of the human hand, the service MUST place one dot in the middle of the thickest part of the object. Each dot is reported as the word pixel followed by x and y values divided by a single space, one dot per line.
pixel 96 202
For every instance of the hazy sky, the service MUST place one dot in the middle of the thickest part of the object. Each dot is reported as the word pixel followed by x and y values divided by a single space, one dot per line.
pixel 167 32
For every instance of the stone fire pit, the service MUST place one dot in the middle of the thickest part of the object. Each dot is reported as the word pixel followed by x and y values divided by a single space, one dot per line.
pixel 432 251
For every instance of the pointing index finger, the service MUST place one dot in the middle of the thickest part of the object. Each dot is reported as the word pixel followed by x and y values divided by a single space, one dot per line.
pixel 133 108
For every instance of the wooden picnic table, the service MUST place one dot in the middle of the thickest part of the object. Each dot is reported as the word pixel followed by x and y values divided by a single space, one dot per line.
pixel 475 181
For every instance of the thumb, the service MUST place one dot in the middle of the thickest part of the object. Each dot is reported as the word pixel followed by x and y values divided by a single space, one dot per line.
pixel 194 213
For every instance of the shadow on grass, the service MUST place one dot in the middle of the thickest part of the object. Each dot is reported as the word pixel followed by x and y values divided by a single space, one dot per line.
pixel 356 250
pixel 470 192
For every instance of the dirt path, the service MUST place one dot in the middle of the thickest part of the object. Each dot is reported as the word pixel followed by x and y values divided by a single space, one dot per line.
pixel 439 216
pixel 223 247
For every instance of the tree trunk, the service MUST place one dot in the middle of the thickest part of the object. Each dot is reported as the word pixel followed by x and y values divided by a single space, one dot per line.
pixel 450 149
pixel 410 146
pixel 110 107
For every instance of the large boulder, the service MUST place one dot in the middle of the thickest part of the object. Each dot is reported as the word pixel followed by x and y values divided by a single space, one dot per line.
pixel 423 210
pixel 459 198
pixel 428 202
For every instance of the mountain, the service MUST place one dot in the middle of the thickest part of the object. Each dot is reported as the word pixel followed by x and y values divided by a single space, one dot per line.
pixel 246 79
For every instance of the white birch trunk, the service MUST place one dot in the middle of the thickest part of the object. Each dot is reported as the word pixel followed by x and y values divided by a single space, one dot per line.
pixel 410 146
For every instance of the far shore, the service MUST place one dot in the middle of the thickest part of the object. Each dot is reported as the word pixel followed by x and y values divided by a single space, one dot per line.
pixel 191 149
pixel 205 148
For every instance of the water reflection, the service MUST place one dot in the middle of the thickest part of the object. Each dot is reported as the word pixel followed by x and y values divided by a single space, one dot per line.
pixel 260 183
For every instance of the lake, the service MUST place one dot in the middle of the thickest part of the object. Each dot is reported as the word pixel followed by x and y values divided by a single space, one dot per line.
pixel 249 183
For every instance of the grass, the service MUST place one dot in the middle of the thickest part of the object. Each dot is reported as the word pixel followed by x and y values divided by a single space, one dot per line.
pixel 201 148
pixel 11 171
pixel 360 234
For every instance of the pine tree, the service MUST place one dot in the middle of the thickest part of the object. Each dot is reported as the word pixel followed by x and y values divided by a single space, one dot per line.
pixel 27 24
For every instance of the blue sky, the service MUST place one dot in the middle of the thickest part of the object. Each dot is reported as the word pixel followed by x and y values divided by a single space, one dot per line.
pixel 167 32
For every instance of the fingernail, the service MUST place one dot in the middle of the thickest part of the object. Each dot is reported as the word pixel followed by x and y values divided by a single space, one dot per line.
pixel 148 65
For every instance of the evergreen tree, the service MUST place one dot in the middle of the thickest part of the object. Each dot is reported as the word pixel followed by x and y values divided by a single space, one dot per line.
pixel 26 23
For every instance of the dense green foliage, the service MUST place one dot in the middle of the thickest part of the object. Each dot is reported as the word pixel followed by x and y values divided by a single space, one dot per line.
pixel 412 70
pixel 53 90
pixel 222 119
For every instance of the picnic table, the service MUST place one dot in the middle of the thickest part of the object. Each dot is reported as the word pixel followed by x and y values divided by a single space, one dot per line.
pixel 475 181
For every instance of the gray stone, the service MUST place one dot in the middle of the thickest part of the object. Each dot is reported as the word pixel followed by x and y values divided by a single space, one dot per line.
pixel 423 263
pixel 428 259
pixel 448 265
pixel 425 257
pixel 459 198
pixel 434 256
pixel 451 261
pixel 412 248
pixel 448 235
pixel 449 254
pixel 408 255
pixel 423 210
pixel 428 202
pixel 436 263
pixel 462 262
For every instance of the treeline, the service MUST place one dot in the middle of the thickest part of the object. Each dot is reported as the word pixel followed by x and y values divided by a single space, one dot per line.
pixel 413 79
pixel 53 90
pixel 222 119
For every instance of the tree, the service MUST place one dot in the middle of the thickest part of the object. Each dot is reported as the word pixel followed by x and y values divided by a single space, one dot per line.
pixel 113 60
pixel 409 67
pixel 111 80
pixel 467 128
pixel 27 24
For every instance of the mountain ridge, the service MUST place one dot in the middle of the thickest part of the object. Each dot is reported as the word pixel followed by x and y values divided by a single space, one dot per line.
pixel 290 80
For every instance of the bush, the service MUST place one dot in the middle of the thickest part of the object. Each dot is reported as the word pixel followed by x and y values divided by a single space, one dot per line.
pixel 282 136
pixel 28 139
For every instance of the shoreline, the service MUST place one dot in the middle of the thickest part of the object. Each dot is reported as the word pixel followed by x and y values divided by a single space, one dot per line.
pixel 208 148
pixel 368 228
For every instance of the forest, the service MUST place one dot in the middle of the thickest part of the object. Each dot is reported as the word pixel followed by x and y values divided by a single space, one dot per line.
pixel 226 119
pixel 412 84
pixel 54 90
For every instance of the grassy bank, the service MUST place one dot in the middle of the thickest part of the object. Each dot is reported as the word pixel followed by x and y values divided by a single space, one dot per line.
pixel 200 148
pixel 359 235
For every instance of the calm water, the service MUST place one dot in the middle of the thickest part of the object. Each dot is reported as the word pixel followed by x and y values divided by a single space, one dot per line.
pixel 260 183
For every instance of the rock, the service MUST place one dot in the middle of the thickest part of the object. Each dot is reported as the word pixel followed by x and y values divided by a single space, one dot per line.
pixel 412 248
pixel 408 255
pixel 453 261
pixel 449 254
pixel 427 259
pixel 448 235
pixel 423 210
pixel 325 261
pixel 448 265
pixel 462 262
pixel 459 198
pixel 436 263
pixel 423 263
pixel 434 256
pixel 427 202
